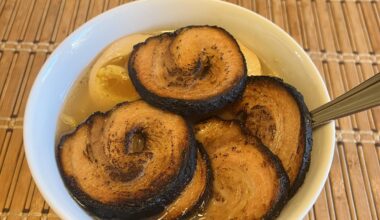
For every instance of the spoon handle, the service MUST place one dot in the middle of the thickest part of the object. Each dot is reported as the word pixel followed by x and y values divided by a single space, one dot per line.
pixel 362 97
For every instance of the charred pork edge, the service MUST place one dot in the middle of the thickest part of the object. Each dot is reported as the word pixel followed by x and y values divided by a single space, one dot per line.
pixel 206 195
pixel 284 184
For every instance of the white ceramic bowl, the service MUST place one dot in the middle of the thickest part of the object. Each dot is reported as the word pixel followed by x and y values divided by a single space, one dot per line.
pixel 64 65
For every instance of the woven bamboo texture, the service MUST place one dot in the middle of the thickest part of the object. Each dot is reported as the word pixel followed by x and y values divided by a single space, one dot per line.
pixel 341 36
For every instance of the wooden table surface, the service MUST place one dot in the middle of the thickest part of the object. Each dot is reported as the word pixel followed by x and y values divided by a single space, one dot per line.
pixel 341 36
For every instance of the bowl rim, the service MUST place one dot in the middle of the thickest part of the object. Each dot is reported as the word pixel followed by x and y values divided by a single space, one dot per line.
pixel 44 71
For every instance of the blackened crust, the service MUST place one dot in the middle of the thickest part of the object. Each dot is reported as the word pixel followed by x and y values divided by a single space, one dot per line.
pixel 182 106
pixel 203 200
pixel 131 209
pixel 282 196
pixel 306 133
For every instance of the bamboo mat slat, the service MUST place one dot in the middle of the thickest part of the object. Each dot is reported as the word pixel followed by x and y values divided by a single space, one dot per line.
pixel 341 36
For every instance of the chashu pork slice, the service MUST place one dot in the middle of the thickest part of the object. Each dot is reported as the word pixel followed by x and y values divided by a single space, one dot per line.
pixel 275 112
pixel 194 70
pixel 130 162
pixel 249 181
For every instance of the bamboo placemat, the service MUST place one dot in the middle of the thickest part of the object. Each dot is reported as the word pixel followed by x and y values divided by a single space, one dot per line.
pixel 342 38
